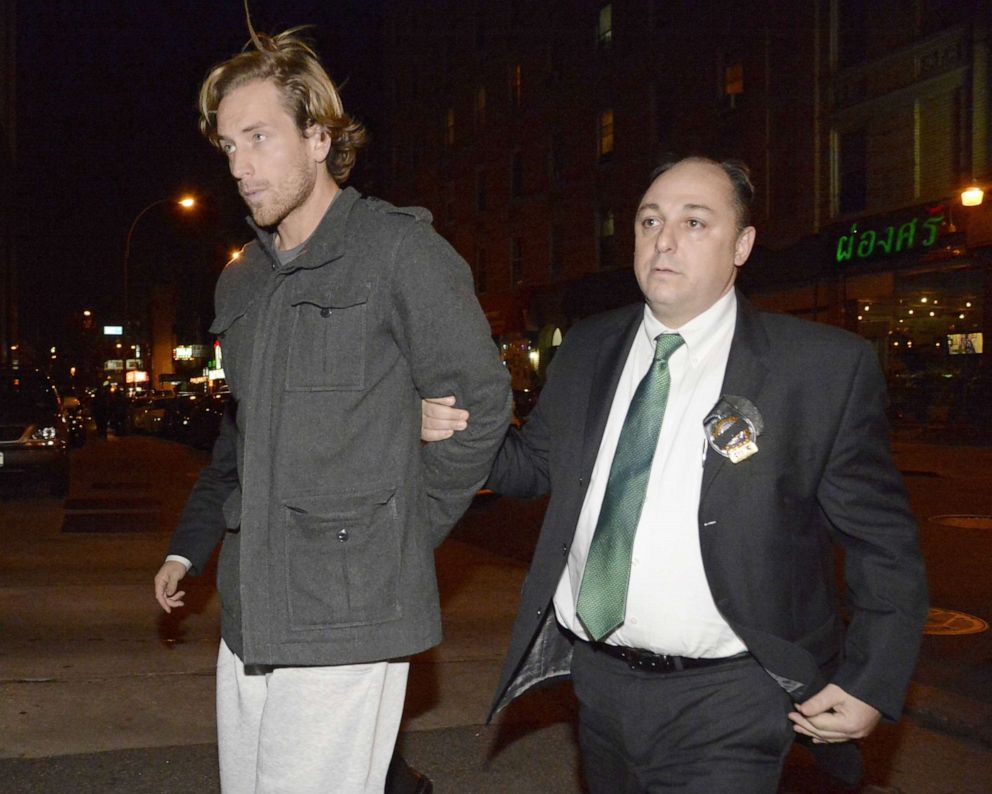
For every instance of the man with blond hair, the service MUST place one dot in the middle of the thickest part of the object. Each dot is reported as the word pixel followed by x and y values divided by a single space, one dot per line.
pixel 333 323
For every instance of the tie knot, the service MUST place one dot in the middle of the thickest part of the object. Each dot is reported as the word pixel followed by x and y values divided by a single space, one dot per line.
pixel 665 345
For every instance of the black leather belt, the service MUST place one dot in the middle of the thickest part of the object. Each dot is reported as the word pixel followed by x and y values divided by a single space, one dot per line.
pixel 637 659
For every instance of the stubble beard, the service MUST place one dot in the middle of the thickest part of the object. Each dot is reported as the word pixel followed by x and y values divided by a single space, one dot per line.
pixel 290 194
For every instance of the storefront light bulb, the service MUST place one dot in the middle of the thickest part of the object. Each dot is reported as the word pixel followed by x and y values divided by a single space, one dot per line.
pixel 931 314
pixel 923 299
pixel 967 305
pixel 910 311
pixel 961 316
pixel 972 196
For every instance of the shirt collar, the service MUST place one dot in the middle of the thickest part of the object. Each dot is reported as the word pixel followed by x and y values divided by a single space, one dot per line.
pixel 702 332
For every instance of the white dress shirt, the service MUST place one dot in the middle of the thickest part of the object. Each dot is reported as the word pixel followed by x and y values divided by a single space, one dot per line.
pixel 669 605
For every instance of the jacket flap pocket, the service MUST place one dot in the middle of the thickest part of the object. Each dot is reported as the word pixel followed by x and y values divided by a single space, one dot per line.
pixel 225 320
pixel 331 297
pixel 343 506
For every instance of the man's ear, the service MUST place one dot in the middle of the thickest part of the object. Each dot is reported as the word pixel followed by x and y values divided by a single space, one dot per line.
pixel 742 248
pixel 319 139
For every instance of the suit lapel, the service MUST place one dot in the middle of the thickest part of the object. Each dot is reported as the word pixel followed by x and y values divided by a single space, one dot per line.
pixel 747 368
pixel 611 356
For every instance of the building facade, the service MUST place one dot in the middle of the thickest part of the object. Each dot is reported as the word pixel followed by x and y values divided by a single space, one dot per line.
pixel 530 131
pixel 8 280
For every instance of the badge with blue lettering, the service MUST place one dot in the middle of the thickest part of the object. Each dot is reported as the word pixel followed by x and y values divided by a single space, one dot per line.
pixel 733 426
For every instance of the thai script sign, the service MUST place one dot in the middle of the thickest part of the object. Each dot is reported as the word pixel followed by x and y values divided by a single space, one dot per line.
pixel 915 234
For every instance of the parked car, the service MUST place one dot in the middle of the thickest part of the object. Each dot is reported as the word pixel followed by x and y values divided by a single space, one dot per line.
pixel 34 435
pixel 147 414
pixel 204 424
pixel 75 417
pixel 177 420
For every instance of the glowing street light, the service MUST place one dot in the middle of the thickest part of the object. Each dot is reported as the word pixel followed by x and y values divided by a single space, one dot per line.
pixel 186 202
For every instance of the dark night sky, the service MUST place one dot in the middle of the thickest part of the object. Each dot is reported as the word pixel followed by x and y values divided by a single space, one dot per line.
pixel 107 123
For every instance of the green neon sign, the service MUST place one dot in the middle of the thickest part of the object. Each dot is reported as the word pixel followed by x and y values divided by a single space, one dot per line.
pixel 893 239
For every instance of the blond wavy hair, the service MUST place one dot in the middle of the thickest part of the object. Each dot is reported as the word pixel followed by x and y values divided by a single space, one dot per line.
pixel 308 93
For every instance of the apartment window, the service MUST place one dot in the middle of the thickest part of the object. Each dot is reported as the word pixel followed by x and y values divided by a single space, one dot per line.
pixel 554 250
pixel 733 82
pixel 605 134
pixel 516 261
pixel 517 86
pixel 517 175
pixel 554 161
pixel 852 38
pixel 449 128
pixel 604 27
pixel 481 271
pixel 606 234
pixel 480 32
pixel 480 190
pixel 480 107
pixel 852 161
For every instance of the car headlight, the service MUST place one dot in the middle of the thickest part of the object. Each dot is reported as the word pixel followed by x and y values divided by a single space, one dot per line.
pixel 44 433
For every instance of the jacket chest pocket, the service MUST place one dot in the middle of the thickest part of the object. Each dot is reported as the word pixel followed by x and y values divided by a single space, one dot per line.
pixel 328 339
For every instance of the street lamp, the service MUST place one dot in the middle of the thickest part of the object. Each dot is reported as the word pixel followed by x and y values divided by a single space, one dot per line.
pixel 186 202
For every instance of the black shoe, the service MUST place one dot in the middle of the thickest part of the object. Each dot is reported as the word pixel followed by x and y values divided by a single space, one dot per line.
pixel 424 784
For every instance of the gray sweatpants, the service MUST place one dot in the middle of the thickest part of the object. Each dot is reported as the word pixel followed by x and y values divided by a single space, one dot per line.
pixel 307 730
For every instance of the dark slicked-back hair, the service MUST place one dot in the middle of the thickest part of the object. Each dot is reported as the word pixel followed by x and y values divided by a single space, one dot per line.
pixel 737 172
pixel 308 93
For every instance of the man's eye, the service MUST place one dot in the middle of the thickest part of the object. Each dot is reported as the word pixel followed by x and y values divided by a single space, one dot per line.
pixel 227 148
pixel 258 137
pixel 649 223
pixel 692 223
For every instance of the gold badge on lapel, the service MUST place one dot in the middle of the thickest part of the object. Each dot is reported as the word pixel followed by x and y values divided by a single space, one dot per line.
pixel 732 428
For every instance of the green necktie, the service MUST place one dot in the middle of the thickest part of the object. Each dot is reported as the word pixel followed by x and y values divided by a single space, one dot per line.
pixel 602 601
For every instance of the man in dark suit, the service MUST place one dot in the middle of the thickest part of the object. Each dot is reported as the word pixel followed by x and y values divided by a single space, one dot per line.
pixel 703 458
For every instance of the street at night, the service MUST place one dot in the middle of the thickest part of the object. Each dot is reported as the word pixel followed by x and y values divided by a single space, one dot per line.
pixel 251 250
pixel 101 692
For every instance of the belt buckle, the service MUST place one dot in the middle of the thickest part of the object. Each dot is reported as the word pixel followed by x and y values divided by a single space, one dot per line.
pixel 645 660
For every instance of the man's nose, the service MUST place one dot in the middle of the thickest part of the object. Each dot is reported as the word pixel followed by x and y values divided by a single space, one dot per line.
pixel 665 241
pixel 240 165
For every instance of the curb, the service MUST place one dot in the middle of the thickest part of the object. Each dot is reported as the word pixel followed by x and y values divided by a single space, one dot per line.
pixel 949 713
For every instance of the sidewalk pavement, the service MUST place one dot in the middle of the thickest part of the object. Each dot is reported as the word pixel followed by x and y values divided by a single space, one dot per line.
pixel 98 693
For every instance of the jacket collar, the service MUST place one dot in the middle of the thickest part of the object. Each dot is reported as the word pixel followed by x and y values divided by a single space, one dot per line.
pixel 327 242
pixel 611 356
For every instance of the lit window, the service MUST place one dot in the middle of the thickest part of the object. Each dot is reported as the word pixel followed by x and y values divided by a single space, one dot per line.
pixel 604 28
pixel 517 86
pixel 449 128
pixel 606 133
pixel 733 79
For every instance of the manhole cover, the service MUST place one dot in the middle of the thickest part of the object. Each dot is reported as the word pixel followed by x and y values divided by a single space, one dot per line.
pixel 947 622
pixel 963 521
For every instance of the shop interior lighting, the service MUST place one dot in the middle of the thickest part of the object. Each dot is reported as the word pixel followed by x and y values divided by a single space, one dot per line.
pixel 972 196
pixel 967 304
pixel 931 314
pixel 923 299
pixel 910 311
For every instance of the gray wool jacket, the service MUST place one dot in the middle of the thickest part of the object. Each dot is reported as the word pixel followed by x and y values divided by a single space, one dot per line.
pixel 328 505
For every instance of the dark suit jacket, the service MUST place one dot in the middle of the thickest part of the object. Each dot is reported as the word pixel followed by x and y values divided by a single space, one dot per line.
pixel 823 475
